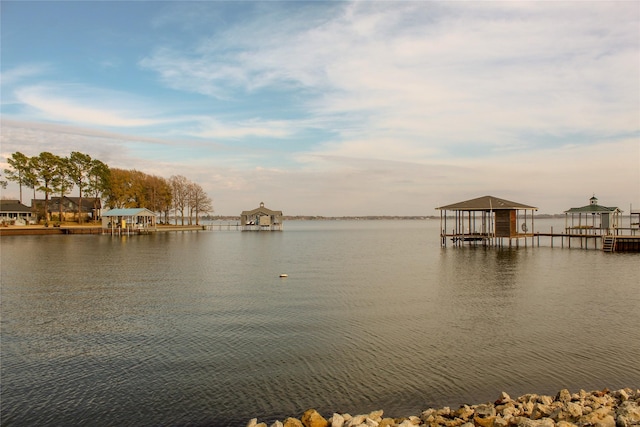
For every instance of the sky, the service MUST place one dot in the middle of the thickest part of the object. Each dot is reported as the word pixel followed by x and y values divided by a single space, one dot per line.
pixel 335 108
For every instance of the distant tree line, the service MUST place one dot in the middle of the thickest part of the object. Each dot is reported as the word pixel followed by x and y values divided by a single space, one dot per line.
pixel 57 176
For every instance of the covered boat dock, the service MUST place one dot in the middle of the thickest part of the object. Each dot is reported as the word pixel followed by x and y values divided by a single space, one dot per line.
pixel 486 221
pixel 261 219
pixel 592 219
pixel 129 221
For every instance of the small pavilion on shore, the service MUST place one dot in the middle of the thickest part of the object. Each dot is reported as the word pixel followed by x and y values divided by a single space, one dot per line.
pixel 592 219
pixel 261 219
pixel 487 221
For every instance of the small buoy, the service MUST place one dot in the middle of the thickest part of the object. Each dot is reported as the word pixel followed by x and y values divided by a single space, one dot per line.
pixel 284 275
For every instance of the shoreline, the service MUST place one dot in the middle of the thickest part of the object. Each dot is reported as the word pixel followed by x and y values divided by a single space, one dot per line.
pixel 598 408
pixel 32 230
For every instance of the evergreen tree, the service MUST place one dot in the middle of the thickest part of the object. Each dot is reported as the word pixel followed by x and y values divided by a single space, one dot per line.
pixel 20 170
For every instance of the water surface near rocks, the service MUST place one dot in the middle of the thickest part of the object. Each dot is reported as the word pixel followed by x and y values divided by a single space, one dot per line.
pixel 198 328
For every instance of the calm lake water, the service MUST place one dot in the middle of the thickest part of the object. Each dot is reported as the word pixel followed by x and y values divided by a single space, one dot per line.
pixel 198 329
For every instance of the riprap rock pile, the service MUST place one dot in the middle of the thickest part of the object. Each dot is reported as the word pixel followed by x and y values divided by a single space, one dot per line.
pixel 603 408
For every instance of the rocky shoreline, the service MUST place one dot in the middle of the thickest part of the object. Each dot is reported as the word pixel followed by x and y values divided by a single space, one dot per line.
pixel 601 408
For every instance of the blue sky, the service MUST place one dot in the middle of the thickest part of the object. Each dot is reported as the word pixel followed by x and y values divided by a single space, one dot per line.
pixel 335 108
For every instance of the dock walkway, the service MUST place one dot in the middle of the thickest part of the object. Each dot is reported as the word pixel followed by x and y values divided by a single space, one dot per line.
pixel 590 240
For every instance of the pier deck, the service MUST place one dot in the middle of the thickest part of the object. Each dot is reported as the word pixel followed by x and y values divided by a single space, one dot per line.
pixel 584 239
pixel 607 242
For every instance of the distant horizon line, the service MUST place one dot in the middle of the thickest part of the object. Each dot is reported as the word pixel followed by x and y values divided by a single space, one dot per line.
pixel 358 217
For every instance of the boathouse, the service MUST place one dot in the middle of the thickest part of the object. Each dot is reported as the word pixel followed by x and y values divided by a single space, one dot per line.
pixel 487 221
pixel 133 220
pixel 261 219
pixel 592 219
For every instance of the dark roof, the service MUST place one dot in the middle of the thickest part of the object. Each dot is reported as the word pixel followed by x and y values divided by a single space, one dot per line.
pixel 592 209
pixel 13 206
pixel 261 209
pixel 485 203
pixel 87 202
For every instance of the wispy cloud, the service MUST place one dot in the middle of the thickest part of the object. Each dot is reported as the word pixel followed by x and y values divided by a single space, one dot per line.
pixel 436 75
pixel 80 104
pixel 214 129
pixel 397 105
pixel 20 73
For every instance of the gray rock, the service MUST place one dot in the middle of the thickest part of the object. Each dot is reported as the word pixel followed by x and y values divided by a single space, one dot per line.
pixel 337 420
pixel 628 414
pixel 356 420
pixel 541 410
pixel 504 398
pixel 563 396
pixel 485 410
pixel 545 400
pixel 543 422
pixel 565 424
pixel 464 412
pixel 601 417
pixel 600 408
pixel 574 410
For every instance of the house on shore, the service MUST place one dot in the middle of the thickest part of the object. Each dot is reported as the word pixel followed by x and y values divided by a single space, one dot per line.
pixel 91 207
pixel 12 212
pixel 487 221
pixel 592 219
pixel 261 219
pixel 125 221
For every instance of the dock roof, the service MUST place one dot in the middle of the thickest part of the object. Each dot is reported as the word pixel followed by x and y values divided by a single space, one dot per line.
pixel 129 212
pixel 486 203
pixel 593 209
pixel 261 209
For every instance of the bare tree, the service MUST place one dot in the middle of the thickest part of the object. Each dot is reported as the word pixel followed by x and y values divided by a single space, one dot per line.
pixel 180 191
pixel 199 202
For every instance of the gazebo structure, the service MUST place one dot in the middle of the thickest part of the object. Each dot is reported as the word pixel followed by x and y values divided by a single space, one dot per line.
pixel 592 219
pixel 261 219
pixel 129 221
pixel 486 220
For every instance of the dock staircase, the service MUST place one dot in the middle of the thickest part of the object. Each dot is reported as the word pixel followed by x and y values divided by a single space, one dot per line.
pixel 609 243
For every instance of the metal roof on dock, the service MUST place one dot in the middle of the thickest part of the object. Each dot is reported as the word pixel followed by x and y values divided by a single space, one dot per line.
pixel 593 207
pixel 485 203
pixel 129 212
